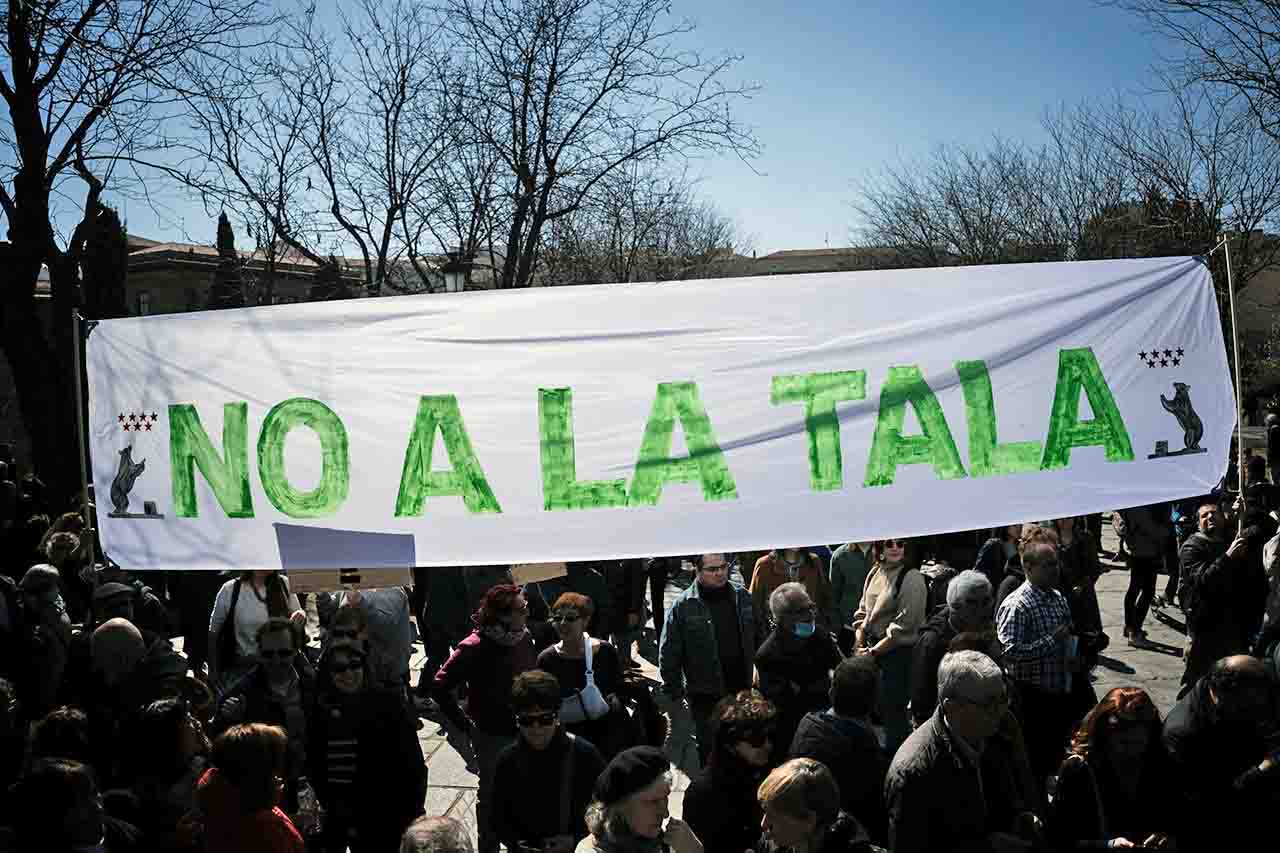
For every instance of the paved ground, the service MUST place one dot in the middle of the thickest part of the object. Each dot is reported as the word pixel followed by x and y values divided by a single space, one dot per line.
pixel 1157 669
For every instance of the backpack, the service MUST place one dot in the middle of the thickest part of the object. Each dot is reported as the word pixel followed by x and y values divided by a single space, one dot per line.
pixel 937 577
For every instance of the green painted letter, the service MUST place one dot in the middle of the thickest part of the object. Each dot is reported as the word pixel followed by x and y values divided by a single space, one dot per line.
pixel 560 486
pixel 986 456
pixel 890 448
pixel 466 479
pixel 705 461
pixel 189 445
pixel 1078 369
pixel 820 392
pixel 335 475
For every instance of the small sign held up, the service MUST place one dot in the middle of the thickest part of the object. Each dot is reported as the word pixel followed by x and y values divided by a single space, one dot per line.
pixel 332 580
pixel 524 573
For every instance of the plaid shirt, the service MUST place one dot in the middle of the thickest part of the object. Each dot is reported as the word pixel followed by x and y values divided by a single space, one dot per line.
pixel 1025 624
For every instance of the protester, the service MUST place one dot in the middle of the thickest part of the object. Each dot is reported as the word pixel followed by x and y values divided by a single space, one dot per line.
pixel 1223 592
pixel 447 624
pixel 720 803
pixel 794 662
pixel 436 835
pixel 937 789
pixel 850 564
pixel 1145 533
pixel 363 757
pixel 1014 574
pixel 57 806
pixel 708 643
pixel 584 579
pixel 549 814
pixel 242 606
pixel 276 691
pixel 488 661
pixel 193 595
pixel 842 738
pixel 793 565
pixel 239 794
pixel 997 552
pixel 970 604
pixel 659 570
pixel 44 645
pixel 886 627
pixel 1116 788
pixel 626 579
pixel 389 633
pixel 1034 628
pixel 629 807
pixel 1079 570
pixel 801 805
pixel 589 675
pixel 163 777
pixel 1224 739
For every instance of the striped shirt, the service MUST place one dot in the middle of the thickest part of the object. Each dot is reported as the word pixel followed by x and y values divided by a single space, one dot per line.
pixel 1025 623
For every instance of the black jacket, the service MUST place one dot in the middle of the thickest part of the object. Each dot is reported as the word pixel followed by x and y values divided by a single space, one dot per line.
pixel 935 638
pixel 1215 766
pixel 528 785
pixel 1013 578
pixel 854 755
pixel 844 835
pixel 1223 598
pixel 1089 808
pixel 720 805
pixel 795 675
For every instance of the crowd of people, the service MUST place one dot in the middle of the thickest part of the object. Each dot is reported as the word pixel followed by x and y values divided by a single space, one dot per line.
pixel 912 695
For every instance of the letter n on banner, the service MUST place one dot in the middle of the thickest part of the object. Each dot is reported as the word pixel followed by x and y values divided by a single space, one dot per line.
pixel 227 475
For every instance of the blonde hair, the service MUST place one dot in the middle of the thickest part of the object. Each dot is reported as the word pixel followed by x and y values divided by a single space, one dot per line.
pixel 802 787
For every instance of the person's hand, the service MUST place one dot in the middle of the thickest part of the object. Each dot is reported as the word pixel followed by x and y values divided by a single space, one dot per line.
pixel 1237 545
pixel 298 617
pixel 680 838
pixel 1158 841
pixel 1121 843
pixel 233 709
pixel 89 575
pixel 559 844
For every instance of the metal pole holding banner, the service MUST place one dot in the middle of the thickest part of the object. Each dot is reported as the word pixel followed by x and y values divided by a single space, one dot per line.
pixel 78 334
pixel 1235 347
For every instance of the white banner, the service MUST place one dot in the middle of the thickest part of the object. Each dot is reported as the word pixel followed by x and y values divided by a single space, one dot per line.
pixel 580 423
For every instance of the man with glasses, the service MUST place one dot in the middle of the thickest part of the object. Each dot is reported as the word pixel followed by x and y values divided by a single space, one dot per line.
pixel 943 789
pixel 708 643
pixel 542 783
pixel 1034 628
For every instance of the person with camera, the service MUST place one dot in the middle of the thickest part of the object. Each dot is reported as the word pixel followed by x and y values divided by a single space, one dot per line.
pixel 549 814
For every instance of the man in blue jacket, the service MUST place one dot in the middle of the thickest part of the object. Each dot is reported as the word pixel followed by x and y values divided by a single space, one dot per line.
pixel 708 643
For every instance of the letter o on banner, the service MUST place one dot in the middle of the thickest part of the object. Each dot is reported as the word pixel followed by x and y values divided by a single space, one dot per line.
pixel 335 474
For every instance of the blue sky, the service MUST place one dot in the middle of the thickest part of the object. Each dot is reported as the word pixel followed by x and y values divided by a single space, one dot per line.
pixel 849 87
pixel 852 86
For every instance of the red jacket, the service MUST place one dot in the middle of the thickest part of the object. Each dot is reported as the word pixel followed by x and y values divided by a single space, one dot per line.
pixel 227 829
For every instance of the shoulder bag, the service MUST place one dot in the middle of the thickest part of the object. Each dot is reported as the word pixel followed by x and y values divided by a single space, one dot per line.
pixel 587 703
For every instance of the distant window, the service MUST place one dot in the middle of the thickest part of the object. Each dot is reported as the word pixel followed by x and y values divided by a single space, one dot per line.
pixel 144 302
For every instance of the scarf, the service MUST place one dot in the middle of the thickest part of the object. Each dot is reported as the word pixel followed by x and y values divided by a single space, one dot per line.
pixel 629 842
pixel 503 636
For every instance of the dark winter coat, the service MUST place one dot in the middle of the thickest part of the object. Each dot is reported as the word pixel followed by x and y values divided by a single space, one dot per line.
pixel 795 675
pixel 528 785
pixel 1223 598
pixel 852 752
pixel 720 805
pixel 935 639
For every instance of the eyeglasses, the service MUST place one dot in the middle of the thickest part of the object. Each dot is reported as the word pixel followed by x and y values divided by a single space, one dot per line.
pixel 528 721
pixel 894 543
pixel 756 737
pixel 566 617
pixel 801 611
pixel 350 666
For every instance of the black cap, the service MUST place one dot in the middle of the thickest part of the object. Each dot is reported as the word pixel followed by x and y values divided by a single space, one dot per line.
pixel 111 590
pixel 631 771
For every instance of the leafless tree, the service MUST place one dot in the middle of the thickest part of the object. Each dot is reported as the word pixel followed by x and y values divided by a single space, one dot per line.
pixel 1232 44
pixel 87 85
pixel 568 92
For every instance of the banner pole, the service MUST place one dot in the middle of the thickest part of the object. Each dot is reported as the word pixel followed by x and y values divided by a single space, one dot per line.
pixel 1235 347
pixel 77 339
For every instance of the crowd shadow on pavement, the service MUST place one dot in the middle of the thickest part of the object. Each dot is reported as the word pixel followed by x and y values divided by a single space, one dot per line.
pixel 1115 665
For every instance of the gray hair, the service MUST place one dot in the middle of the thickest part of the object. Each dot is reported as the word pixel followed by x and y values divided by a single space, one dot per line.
pixel 611 821
pixel 965 583
pixel 961 674
pixel 785 595
pixel 436 835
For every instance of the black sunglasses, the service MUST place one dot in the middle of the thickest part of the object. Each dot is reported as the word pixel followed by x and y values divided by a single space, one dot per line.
pixel 564 617
pixel 894 543
pixel 526 721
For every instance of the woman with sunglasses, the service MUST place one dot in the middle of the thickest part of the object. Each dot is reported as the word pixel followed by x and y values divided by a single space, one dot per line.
pixel 582 712
pixel 886 626
pixel 542 783
pixel 487 661
pixel 720 805
pixel 363 757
